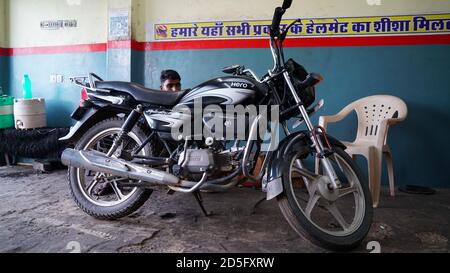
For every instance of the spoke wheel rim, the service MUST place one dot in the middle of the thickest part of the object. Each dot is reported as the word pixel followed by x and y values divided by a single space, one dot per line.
pixel 331 207
pixel 80 173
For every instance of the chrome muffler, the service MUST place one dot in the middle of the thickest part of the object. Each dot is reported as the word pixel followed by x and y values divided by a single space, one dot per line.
pixel 99 162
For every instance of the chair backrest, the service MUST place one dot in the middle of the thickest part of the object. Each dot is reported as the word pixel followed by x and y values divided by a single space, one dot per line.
pixel 372 111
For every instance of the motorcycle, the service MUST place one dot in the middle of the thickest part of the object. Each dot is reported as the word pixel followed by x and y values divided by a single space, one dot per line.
pixel 125 146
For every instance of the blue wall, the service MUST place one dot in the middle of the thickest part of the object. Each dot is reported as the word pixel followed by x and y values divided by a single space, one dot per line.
pixel 138 63
pixel 126 65
pixel 61 99
pixel 118 64
pixel 4 73
pixel 417 74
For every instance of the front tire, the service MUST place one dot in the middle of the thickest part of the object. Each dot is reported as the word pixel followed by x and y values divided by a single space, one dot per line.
pixel 328 224
pixel 103 206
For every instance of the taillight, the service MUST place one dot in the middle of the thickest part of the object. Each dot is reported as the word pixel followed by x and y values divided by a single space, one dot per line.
pixel 84 97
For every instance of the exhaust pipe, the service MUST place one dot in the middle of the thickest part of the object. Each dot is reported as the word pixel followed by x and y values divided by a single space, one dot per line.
pixel 99 162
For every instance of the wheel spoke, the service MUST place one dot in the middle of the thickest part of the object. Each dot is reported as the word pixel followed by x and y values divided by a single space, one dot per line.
pixel 94 182
pixel 307 182
pixel 346 191
pixel 311 204
pixel 99 146
pixel 336 159
pixel 338 216
pixel 295 169
pixel 92 185
pixel 117 190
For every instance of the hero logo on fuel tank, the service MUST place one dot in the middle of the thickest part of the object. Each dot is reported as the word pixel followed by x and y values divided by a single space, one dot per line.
pixel 239 85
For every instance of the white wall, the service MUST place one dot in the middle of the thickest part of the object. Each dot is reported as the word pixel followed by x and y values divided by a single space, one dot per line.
pixel 188 10
pixel 3 24
pixel 173 11
pixel 25 17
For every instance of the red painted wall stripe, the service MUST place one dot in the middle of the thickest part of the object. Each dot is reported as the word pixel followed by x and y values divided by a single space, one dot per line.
pixel 56 49
pixel 238 43
pixel 4 52
pixel 135 45
pixel 372 41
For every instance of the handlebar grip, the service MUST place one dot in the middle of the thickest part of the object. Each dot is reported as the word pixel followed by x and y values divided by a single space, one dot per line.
pixel 287 4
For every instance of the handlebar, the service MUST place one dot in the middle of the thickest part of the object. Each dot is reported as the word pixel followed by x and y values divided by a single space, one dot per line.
pixel 284 34
pixel 277 37
pixel 275 28
pixel 277 16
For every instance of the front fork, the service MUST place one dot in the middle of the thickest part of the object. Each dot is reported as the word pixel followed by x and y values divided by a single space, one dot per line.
pixel 318 145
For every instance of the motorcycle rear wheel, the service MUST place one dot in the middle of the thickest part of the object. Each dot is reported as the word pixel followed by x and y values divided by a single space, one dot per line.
pixel 118 201
pixel 325 223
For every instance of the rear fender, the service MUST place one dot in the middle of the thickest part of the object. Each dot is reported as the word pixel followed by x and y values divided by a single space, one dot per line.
pixel 91 117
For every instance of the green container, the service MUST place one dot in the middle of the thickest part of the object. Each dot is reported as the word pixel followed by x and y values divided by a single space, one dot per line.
pixel 6 112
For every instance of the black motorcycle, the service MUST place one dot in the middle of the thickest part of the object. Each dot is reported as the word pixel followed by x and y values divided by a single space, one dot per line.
pixel 125 145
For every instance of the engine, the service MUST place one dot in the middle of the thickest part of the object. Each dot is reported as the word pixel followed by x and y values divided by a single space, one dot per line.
pixel 198 161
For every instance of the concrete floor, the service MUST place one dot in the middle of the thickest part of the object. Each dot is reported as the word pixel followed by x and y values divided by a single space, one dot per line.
pixel 37 214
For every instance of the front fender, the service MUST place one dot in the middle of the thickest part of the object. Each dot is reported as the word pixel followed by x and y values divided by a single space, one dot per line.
pixel 298 142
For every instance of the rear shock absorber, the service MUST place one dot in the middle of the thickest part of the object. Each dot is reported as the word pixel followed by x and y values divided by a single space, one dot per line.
pixel 130 122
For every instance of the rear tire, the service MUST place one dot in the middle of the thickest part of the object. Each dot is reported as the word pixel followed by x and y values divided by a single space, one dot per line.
pixel 305 226
pixel 103 211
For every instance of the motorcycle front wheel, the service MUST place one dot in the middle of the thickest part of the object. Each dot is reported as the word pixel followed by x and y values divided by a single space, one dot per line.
pixel 334 219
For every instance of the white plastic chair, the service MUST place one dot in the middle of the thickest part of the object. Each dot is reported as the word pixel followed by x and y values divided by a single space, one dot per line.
pixel 375 115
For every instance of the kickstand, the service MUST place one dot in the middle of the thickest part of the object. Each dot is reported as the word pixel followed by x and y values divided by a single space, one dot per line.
pixel 199 199
pixel 257 204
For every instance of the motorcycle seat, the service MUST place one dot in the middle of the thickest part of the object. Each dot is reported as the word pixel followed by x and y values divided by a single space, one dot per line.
pixel 143 94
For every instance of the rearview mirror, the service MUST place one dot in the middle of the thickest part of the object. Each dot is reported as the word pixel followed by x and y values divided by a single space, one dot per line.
pixel 287 4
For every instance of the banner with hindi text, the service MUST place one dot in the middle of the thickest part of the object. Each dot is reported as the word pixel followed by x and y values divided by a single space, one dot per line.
pixel 326 27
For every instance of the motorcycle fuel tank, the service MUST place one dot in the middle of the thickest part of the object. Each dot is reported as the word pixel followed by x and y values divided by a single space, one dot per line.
pixel 231 90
